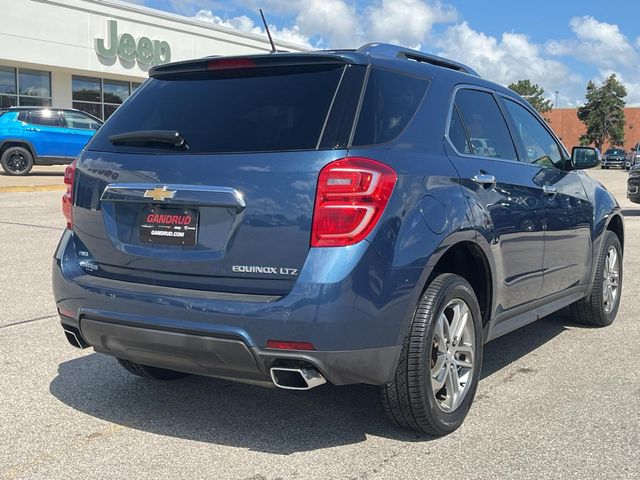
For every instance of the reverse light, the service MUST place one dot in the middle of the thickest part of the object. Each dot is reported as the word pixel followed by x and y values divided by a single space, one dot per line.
pixel 286 345
pixel 352 193
pixel 67 198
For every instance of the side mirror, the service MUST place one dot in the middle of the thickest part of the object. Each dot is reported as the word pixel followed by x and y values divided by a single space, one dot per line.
pixel 584 157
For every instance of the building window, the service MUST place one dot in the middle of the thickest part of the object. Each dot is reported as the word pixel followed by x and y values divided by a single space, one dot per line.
pixel 23 86
pixel 100 97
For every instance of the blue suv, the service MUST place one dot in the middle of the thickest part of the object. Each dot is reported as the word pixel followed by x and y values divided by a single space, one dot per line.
pixel 367 216
pixel 42 136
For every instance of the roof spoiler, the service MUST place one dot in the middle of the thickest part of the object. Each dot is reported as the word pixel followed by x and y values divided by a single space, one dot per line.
pixel 393 51
pixel 218 63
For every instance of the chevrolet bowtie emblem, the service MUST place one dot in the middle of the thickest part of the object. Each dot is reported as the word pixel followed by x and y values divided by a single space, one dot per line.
pixel 159 193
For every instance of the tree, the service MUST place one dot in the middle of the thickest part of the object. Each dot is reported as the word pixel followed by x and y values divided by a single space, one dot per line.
pixel 532 93
pixel 603 114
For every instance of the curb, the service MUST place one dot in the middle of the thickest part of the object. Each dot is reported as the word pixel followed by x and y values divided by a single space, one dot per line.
pixel 32 188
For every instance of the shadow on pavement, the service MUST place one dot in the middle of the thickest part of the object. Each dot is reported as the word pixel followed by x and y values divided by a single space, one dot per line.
pixel 261 419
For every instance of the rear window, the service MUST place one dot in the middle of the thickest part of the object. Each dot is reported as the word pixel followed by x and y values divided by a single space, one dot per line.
pixel 250 110
pixel 390 101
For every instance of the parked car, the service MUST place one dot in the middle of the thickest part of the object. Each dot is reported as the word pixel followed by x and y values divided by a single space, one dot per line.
pixel 633 157
pixel 633 184
pixel 42 136
pixel 613 157
pixel 261 234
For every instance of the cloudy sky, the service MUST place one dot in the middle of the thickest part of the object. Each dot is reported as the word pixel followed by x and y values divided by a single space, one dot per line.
pixel 559 44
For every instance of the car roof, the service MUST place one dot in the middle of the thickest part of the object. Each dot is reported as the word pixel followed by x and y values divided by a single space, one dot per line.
pixel 25 109
pixel 39 107
pixel 363 56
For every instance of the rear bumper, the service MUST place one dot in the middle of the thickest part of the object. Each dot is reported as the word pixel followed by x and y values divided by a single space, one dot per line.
pixel 230 358
pixel 357 330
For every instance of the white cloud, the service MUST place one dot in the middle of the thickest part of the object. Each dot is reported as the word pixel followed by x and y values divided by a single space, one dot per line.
pixel 513 57
pixel 339 24
pixel 334 21
pixel 599 43
pixel 245 24
pixel 406 22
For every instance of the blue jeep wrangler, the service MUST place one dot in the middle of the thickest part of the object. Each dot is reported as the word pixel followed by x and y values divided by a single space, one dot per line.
pixel 365 216
pixel 42 136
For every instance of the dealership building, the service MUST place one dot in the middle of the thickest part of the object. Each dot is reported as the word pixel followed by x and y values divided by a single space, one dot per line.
pixel 91 54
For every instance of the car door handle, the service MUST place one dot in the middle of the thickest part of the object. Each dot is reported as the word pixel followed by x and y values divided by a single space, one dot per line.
pixel 31 129
pixel 485 180
pixel 549 190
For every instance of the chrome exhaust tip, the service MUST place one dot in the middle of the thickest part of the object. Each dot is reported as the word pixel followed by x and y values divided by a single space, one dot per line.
pixel 296 378
pixel 74 337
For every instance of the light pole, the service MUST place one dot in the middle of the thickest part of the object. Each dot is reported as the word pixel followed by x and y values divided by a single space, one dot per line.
pixel 556 99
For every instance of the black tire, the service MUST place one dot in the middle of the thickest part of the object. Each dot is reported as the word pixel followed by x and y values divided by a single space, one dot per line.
pixel 146 371
pixel 409 400
pixel 16 161
pixel 591 310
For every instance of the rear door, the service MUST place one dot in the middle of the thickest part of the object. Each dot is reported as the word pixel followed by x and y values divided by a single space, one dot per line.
pixel 44 131
pixel 231 208
pixel 81 128
pixel 505 197
pixel 569 213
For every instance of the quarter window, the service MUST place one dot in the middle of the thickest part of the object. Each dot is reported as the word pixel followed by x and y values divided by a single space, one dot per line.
pixel 488 135
pixel 539 146
pixel 390 101
pixel 80 120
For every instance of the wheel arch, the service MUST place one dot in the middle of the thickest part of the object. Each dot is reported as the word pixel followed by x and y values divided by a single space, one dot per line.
pixel 468 260
pixel 18 142
pixel 615 224
pixel 463 253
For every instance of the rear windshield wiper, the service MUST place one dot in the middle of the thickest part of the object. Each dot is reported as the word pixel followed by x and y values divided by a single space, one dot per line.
pixel 163 137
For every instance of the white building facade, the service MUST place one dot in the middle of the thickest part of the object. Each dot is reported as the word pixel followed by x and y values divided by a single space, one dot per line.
pixel 91 54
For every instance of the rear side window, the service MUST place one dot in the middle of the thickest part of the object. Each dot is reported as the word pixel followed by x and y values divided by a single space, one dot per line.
pixel 46 117
pixel 247 110
pixel 390 101
pixel 488 134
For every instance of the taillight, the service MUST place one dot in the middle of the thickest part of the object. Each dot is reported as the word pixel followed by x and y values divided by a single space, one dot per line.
pixel 67 198
pixel 351 196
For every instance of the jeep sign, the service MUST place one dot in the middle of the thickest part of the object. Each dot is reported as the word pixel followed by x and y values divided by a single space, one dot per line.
pixel 127 49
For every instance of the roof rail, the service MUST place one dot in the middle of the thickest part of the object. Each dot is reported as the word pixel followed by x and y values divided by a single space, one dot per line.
pixel 394 51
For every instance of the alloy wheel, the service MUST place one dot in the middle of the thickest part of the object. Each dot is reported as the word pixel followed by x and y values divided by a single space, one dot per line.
pixel 452 355
pixel 17 162
pixel 611 279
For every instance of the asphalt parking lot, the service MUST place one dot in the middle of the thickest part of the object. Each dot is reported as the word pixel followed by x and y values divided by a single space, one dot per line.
pixel 556 400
